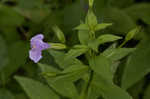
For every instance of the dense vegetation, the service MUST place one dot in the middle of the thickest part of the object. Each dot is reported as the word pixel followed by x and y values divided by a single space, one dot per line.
pixel 98 50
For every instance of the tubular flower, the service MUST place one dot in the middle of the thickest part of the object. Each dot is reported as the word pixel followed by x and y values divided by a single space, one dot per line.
pixel 37 46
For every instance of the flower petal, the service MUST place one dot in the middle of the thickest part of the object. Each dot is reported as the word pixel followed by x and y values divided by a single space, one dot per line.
pixel 35 55
pixel 37 37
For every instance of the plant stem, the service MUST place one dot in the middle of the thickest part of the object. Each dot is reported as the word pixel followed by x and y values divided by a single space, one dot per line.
pixel 123 44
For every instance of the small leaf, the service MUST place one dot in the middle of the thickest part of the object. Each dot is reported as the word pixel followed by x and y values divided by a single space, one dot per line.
pixel 102 26
pixel 91 20
pixel 59 57
pixel 91 3
pixel 35 89
pixel 82 27
pixel 132 33
pixel 101 40
pixel 59 34
pixel 75 72
pixel 48 70
pixel 76 51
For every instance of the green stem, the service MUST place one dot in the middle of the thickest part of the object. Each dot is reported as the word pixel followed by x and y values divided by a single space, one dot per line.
pixel 123 44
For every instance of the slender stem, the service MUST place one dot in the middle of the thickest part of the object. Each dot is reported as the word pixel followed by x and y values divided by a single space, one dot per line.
pixel 123 44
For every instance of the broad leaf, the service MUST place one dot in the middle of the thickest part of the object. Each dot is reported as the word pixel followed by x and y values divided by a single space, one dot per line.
pixel 143 8
pixel 146 94
pixel 109 90
pixel 138 65
pixel 17 53
pixel 5 94
pixel 116 54
pixel 102 66
pixel 63 87
pixel 35 89
pixel 3 53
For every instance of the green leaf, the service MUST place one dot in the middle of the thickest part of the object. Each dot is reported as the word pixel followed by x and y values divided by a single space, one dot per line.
pixel 17 53
pixel 101 40
pixel 119 19
pixel 75 72
pixel 3 53
pixel 91 20
pixel 116 54
pixel 102 66
pixel 93 92
pixel 72 73
pixel 76 51
pixel 5 94
pixel 33 10
pixel 109 90
pixel 121 3
pixel 82 27
pixel 131 33
pixel 134 10
pixel 48 70
pixel 146 94
pixel 35 89
pixel 59 57
pixel 83 36
pixel 102 26
pixel 9 17
pixel 63 87
pixel 59 33
pixel 137 66
pixel 73 13
pixel 91 3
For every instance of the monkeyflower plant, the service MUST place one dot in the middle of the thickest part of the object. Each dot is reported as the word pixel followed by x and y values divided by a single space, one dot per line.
pixel 82 71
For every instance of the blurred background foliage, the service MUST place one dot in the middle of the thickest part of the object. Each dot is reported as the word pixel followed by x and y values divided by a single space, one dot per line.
pixel 21 19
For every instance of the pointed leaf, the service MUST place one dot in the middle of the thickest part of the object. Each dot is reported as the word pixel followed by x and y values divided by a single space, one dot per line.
pixel 59 33
pixel 137 66
pixel 82 27
pixel 63 87
pixel 76 51
pixel 35 89
pixel 103 39
pixel 102 66
pixel 102 26
pixel 117 53
pixel 59 57
pixel 109 90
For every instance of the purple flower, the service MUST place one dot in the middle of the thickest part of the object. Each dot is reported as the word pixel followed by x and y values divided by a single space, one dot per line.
pixel 37 46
